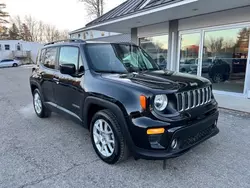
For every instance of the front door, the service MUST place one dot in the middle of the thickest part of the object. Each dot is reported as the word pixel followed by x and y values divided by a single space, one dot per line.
pixel 47 60
pixel 68 90
pixel 189 50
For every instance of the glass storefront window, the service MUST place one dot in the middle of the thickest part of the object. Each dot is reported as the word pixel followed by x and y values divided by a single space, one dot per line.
pixel 157 48
pixel 225 58
pixel 189 53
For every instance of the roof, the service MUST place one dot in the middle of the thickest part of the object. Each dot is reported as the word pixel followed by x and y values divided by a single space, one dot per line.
pixel 131 7
pixel 80 41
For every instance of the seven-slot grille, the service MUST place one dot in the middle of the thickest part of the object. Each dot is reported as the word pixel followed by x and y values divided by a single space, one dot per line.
pixel 191 99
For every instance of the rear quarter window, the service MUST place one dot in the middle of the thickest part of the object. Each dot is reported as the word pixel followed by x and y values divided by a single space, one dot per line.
pixel 49 57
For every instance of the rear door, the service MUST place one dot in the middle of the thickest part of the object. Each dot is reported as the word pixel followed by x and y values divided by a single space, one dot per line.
pixel 69 90
pixel 47 70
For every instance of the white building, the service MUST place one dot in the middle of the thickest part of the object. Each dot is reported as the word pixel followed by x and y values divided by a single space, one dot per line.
pixel 87 34
pixel 178 33
pixel 90 34
pixel 19 49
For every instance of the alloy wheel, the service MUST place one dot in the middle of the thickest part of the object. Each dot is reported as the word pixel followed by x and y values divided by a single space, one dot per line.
pixel 104 138
pixel 37 103
pixel 218 78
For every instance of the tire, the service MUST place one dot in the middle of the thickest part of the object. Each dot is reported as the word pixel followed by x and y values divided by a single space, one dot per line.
pixel 42 111
pixel 183 70
pixel 217 78
pixel 14 65
pixel 120 150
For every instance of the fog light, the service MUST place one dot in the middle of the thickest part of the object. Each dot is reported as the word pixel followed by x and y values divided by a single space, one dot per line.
pixel 174 144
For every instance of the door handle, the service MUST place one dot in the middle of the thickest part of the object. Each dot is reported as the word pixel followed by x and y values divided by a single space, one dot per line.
pixel 56 80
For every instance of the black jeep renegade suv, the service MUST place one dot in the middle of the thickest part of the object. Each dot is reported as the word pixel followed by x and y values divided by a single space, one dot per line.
pixel 120 94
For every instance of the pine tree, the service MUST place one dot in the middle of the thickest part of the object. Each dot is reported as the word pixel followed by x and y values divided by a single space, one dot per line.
pixel 25 33
pixel 14 33
pixel 3 20
pixel 3 32
pixel 243 39
pixel 3 14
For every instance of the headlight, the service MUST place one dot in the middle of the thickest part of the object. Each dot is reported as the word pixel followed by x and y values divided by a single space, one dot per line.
pixel 160 102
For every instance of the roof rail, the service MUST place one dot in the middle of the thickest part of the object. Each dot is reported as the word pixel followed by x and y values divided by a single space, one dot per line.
pixel 67 40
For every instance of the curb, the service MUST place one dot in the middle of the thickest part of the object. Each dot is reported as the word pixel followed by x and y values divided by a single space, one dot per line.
pixel 234 110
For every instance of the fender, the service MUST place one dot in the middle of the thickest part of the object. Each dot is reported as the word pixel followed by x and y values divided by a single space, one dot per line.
pixel 114 108
pixel 35 83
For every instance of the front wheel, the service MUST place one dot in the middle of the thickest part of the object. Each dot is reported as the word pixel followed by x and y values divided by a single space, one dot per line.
pixel 39 107
pixel 107 138
pixel 14 65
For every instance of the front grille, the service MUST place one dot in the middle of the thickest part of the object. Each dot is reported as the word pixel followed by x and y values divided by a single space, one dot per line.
pixel 191 99
pixel 196 138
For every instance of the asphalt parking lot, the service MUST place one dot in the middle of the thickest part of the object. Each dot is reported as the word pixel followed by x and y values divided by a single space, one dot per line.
pixel 56 152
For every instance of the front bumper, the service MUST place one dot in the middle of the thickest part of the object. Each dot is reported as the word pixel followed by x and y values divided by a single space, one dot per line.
pixel 188 136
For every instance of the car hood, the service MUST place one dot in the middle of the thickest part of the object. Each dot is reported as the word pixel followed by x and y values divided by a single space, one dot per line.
pixel 161 80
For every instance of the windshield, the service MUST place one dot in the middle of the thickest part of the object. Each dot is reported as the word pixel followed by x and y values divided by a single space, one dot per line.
pixel 119 58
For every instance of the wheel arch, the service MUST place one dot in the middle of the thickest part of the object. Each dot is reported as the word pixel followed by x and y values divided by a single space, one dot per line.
pixel 94 104
pixel 34 85
pixel 114 107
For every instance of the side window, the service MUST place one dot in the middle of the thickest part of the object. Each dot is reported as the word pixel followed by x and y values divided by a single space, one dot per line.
pixel 50 58
pixel 0 47
pixel 69 55
pixel 41 56
pixel 7 47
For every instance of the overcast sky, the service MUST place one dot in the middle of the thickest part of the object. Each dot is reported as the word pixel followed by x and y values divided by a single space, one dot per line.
pixel 65 14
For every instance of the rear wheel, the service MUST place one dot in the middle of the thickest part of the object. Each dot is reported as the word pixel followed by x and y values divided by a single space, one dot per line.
pixel 107 138
pixel 39 107
pixel 217 78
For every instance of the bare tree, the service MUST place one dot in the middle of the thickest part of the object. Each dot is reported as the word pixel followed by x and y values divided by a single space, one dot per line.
pixel 34 30
pixel 41 31
pixel 94 7
pixel 3 14
pixel 17 21
pixel 31 23
pixel 215 44
pixel 229 44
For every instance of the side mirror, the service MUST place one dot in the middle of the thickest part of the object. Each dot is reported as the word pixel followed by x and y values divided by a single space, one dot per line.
pixel 68 69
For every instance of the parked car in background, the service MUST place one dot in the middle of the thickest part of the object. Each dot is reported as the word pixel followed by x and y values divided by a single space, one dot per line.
pixel 218 70
pixel 119 93
pixel 9 63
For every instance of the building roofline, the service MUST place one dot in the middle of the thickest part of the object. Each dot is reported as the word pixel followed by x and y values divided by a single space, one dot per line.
pixel 137 13
pixel 79 30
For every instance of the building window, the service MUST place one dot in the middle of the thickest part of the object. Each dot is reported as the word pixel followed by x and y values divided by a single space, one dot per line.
pixel 79 35
pixel 225 54
pixel 157 48
pixel 7 47
pixel 189 53
pixel 18 47
pixel 0 47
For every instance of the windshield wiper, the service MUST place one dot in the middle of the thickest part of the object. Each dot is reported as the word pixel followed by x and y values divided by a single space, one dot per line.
pixel 111 72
